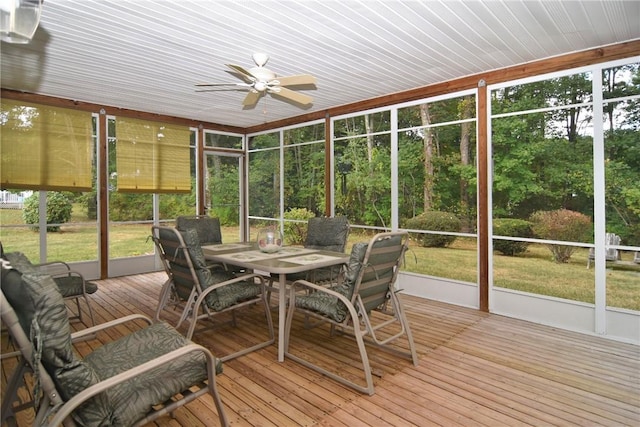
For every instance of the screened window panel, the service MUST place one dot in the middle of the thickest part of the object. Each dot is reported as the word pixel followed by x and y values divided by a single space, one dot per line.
pixel 45 148
pixel 152 157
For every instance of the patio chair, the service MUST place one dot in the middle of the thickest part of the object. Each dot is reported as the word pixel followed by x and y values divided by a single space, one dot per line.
pixel 200 292
pixel 209 233
pixel 208 228
pixel 71 284
pixel 128 382
pixel 327 234
pixel 611 254
pixel 368 287
pixel 323 233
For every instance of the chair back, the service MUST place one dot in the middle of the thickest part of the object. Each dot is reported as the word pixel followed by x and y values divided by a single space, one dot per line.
pixel 185 264
pixel 612 240
pixel 35 314
pixel 208 228
pixel 328 234
pixel 373 268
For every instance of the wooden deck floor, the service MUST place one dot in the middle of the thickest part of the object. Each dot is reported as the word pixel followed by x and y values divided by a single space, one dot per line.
pixel 475 369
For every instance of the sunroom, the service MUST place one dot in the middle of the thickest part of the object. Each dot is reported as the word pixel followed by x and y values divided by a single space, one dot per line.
pixel 502 136
pixel 479 127
pixel 524 131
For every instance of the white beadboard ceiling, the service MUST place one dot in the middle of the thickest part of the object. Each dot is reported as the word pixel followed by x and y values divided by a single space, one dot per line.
pixel 147 55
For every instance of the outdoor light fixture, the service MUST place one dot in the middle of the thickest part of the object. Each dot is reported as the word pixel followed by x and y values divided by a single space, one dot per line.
pixel 19 20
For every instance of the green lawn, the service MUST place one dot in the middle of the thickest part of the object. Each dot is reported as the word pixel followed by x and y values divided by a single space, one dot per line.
pixel 533 271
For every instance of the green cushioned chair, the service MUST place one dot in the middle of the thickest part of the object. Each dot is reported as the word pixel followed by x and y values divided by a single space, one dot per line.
pixel 201 292
pixel 325 234
pixel 129 382
pixel 368 286
pixel 71 284
pixel 209 233
pixel 208 228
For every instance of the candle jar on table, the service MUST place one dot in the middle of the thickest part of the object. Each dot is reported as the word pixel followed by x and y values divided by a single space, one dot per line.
pixel 270 239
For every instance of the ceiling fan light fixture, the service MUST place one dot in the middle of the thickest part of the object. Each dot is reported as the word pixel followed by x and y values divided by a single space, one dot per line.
pixel 260 59
pixel 260 81
pixel 262 74
pixel 19 20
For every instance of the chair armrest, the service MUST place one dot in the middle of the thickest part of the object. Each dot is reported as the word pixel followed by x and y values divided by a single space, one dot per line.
pixel 210 289
pixel 54 268
pixel 45 264
pixel 106 325
pixel 212 267
pixel 73 403
pixel 306 284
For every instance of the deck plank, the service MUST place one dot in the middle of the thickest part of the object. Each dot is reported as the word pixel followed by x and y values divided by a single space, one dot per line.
pixel 475 369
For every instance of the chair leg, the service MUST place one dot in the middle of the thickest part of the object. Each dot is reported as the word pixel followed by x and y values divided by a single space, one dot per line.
pixel 270 289
pixel 78 316
pixel 162 301
pixel 8 411
pixel 16 381
pixel 86 300
pixel 271 340
pixel 190 310
pixel 234 320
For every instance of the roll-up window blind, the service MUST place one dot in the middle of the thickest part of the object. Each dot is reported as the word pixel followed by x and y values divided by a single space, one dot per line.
pixel 45 148
pixel 152 157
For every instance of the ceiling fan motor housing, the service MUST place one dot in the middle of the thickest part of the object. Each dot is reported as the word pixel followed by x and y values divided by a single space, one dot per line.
pixel 262 74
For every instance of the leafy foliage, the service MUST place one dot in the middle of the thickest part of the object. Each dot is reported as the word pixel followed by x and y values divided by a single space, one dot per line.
pixel 136 207
pixel 434 221
pixel 561 224
pixel 512 227
pixel 295 233
pixel 58 210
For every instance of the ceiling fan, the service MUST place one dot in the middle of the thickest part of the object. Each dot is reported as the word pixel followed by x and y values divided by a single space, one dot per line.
pixel 259 81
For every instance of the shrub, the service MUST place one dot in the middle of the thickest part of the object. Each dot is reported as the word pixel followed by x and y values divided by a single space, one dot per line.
pixel 295 233
pixel 561 224
pixel 434 221
pixel 58 210
pixel 130 206
pixel 514 228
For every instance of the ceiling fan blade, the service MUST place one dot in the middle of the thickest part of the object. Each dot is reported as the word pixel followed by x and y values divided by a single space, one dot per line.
pixel 251 99
pixel 222 84
pixel 215 87
pixel 222 89
pixel 294 96
pixel 300 79
pixel 245 74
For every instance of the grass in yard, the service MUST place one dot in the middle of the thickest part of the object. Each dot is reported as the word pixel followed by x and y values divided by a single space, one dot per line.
pixel 533 271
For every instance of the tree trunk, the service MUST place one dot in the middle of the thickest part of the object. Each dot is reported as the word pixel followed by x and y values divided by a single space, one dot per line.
pixel 465 154
pixel 427 138
pixel 369 130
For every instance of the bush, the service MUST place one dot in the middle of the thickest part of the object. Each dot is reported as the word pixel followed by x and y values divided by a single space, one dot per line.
pixel 434 221
pixel 295 233
pixel 561 224
pixel 131 206
pixel 513 228
pixel 58 210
